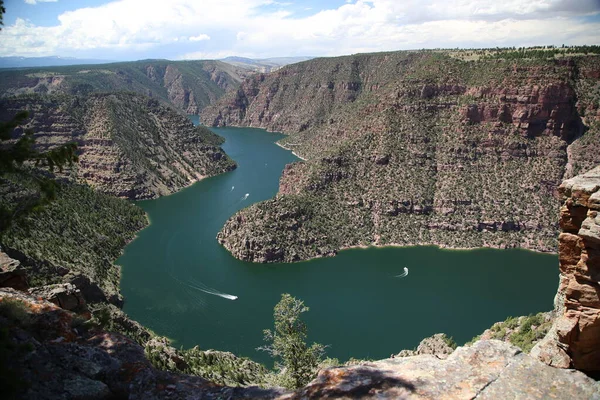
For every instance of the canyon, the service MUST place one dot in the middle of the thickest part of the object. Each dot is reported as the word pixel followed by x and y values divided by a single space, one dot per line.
pixel 93 363
pixel 414 148
pixel 189 86
pixel 400 148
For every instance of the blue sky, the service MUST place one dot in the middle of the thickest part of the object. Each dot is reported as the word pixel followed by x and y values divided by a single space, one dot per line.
pixel 206 29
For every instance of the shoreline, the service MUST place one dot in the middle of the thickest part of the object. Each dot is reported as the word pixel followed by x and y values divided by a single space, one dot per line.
pixel 442 247
pixel 293 152
pixel 267 130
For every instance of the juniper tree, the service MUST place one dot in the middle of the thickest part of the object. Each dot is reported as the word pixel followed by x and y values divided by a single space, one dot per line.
pixel 295 362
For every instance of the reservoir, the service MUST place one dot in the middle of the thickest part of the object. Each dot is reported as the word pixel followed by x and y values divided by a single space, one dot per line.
pixel 178 281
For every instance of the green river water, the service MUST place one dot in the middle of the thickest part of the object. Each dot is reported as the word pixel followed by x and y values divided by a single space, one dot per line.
pixel 176 278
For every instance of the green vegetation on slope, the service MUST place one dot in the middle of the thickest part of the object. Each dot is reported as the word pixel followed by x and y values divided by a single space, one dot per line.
pixel 82 232
pixel 524 332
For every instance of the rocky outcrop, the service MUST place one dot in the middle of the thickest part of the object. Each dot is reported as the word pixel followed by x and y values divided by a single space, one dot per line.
pixel 44 340
pixel 12 274
pixel 414 148
pixel 51 355
pixel 64 295
pixel 438 345
pixel 574 340
pixel 486 370
pixel 129 145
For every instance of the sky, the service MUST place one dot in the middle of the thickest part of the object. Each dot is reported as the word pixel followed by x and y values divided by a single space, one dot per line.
pixel 213 29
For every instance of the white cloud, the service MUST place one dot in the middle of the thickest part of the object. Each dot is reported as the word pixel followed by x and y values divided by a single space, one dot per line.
pixel 199 38
pixel 40 1
pixel 242 27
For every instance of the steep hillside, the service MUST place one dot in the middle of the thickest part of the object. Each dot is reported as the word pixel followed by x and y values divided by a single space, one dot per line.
pixel 75 239
pixel 130 145
pixel 188 85
pixel 415 148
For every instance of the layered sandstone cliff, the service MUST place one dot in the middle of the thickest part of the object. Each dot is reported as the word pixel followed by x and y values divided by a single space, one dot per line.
pixel 129 145
pixel 415 148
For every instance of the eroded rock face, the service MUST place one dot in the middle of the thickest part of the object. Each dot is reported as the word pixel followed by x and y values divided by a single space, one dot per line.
pixel 487 370
pixel 189 85
pixel 575 337
pixel 64 295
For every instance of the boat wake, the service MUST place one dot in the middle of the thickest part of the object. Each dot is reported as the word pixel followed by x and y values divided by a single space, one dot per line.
pixel 245 196
pixel 402 275
pixel 233 187
pixel 212 291
pixel 199 286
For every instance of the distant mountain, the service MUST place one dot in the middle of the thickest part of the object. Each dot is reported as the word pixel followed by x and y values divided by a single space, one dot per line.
pixel 264 64
pixel 52 61
pixel 188 85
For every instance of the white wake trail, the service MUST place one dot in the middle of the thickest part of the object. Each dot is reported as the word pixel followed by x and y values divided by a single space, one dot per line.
pixel 214 292
pixel 203 288
pixel 402 275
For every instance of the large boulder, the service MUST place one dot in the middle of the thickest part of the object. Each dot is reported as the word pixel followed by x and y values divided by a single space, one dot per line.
pixel 64 295
pixel 438 345
pixel 11 273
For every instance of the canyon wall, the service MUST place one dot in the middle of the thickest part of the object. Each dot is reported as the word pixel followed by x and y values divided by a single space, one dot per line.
pixel 414 148
pixel 129 145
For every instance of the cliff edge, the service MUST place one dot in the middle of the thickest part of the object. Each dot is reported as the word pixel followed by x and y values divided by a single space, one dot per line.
pixel 574 340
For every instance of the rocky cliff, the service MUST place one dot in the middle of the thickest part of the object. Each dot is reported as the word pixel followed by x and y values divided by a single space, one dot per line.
pixel 487 370
pixel 415 148
pixel 574 340
pixel 130 145
pixel 50 346
pixel 187 85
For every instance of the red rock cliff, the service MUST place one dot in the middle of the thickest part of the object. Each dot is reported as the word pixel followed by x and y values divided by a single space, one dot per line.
pixel 575 339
